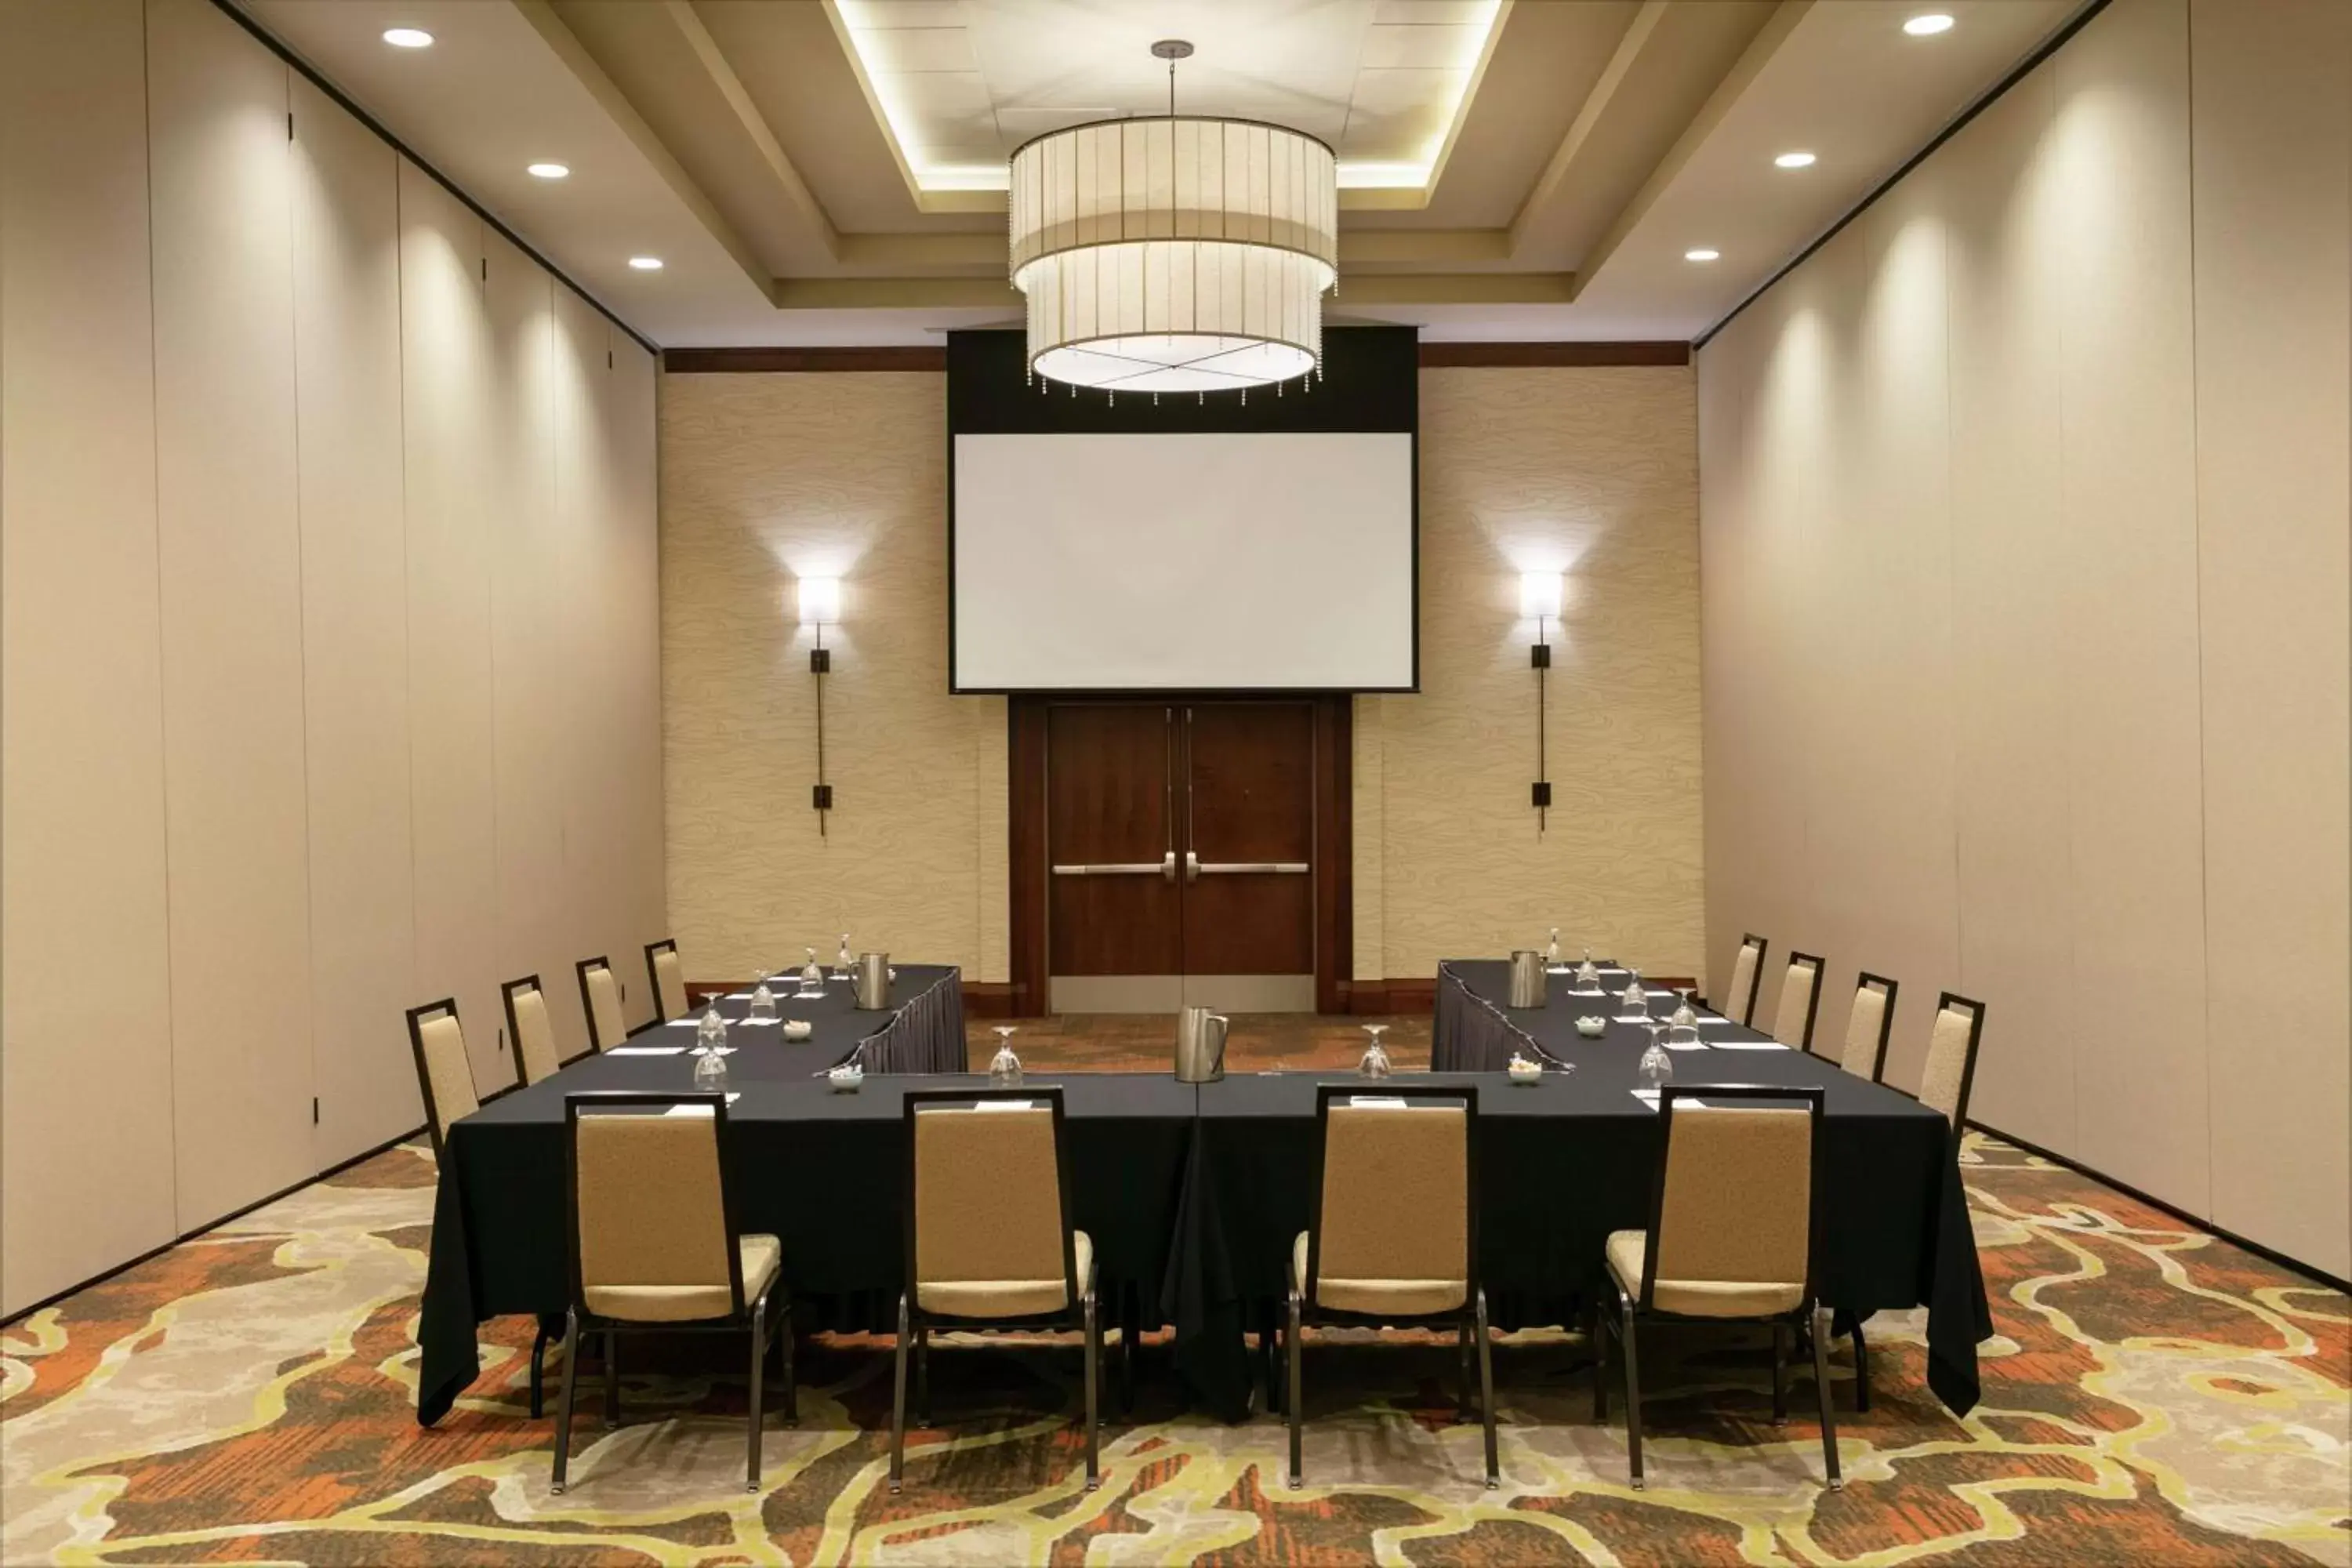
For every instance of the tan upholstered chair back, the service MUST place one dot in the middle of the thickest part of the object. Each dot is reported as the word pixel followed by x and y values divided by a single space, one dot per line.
pixel 534 1034
pixel 442 1043
pixel 1736 1000
pixel 988 1212
pixel 670 983
pixel 1396 1203
pixel 1863 1028
pixel 652 1216
pixel 1942 1080
pixel 1738 1202
pixel 604 1006
pixel 1797 990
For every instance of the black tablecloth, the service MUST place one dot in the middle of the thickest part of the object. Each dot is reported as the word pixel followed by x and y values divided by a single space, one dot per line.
pixel 1563 1162
pixel 498 1214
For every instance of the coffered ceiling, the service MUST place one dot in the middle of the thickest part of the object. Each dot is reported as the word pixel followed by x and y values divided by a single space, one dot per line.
pixel 832 171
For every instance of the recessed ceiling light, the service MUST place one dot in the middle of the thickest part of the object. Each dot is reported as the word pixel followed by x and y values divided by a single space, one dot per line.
pixel 1702 254
pixel 408 37
pixel 550 171
pixel 1927 24
pixel 645 263
pixel 1795 160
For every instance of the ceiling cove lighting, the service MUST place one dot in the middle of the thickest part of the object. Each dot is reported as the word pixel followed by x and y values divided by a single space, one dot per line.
pixel 646 263
pixel 1167 253
pixel 1702 254
pixel 1927 24
pixel 1794 161
pixel 549 171
pixel 408 37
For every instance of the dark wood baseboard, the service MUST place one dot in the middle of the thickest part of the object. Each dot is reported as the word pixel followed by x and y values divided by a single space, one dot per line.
pixel 994 999
pixel 1365 998
pixel 2195 1222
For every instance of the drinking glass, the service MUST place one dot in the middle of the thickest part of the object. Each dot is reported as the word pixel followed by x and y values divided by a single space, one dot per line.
pixel 763 1001
pixel 1685 1016
pixel 1657 1066
pixel 840 959
pixel 812 977
pixel 1375 1062
pixel 1635 999
pixel 1682 1034
pixel 1551 953
pixel 709 1071
pixel 1005 1067
pixel 1588 973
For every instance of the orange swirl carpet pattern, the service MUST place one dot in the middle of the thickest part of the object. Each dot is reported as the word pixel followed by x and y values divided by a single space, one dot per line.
pixel 2153 1395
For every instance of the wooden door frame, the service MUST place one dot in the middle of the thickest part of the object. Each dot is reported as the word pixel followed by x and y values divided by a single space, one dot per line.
pixel 1335 872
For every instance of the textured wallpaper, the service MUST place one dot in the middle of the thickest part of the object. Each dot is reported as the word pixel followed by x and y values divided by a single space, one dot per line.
pixel 1595 473
pixel 764 477
pixel 1589 470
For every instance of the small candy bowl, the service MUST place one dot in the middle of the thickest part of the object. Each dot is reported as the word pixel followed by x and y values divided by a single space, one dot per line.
pixel 1524 1071
pixel 798 1028
pixel 846 1079
pixel 1591 1027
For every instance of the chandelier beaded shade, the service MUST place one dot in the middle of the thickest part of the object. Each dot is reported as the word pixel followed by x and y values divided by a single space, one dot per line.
pixel 1174 253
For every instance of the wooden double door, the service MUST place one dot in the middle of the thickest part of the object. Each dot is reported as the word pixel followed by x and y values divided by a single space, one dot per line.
pixel 1181 855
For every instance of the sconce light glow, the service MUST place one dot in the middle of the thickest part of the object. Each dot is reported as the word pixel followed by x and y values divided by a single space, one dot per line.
pixel 1794 161
pixel 408 37
pixel 1539 593
pixel 548 170
pixel 1927 25
pixel 1704 253
pixel 645 263
pixel 820 600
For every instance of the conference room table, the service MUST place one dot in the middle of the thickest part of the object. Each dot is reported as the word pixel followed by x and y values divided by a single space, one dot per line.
pixel 1192 1193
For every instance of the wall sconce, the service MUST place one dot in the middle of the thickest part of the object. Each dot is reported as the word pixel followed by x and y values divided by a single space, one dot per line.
pixel 820 606
pixel 1540 597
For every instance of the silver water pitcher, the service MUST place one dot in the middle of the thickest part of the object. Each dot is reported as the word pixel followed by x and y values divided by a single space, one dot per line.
pixel 872 981
pixel 1200 1045
pixel 1527 978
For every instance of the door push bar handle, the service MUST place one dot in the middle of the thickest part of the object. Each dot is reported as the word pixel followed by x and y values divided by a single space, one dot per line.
pixel 1164 867
pixel 1196 867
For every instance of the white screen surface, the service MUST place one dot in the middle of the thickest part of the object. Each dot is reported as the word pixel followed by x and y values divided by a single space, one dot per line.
pixel 1185 562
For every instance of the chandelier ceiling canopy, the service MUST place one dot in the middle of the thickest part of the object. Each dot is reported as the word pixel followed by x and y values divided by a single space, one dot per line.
pixel 1174 253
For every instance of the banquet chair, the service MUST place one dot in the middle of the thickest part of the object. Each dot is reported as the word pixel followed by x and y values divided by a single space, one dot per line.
pixel 654 1246
pixel 1800 999
pixel 444 1072
pixel 668 980
pixel 531 1033
pixel 988 1241
pixel 1738 1001
pixel 1394 1235
pixel 1951 1070
pixel 600 998
pixel 1733 1236
pixel 1867 1027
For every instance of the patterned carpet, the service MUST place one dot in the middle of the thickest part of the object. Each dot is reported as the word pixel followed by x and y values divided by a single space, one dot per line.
pixel 2154 1397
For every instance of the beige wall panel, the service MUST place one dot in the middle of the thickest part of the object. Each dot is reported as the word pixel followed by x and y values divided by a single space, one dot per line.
pixel 2272 149
pixel 1593 472
pixel 635 551
pixel 1730 745
pixel 2127 553
pixel 530 658
pixel 86 1166
pixel 447 404
pixel 989 740
pixel 346 229
pixel 1369 831
pixel 764 477
pixel 230 556
pixel 2010 619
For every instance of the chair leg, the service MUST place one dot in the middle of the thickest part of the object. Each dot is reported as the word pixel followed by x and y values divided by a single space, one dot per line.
pixel 1486 1396
pixel 784 1332
pixel 539 1370
pixel 1292 1352
pixel 564 1399
pixel 923 1376
pixel 899 1401
pixel 1822 1393
pixel 1780 1374
pixel 1462 1372
pixel 612 1379
pixel 1127 1329
pixel 1632 1394
pixel 1094 1360
pixel 1861 1368
pixel 759 1367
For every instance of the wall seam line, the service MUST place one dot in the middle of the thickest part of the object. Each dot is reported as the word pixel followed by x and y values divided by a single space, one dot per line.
pixel 2197 532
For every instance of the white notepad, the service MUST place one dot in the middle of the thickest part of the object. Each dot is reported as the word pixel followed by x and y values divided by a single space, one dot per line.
pixel 1691 1046
pixel 1638 1019
pixel 698 1110
pixel 752 1023
pixel 1377 1101
pixel 1749 1045
pixel 1649 1097
pixel 1006 1105
pixel 645 1051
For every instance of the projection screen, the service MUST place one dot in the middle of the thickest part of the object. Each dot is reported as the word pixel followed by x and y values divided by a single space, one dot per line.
pixel 1187 561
